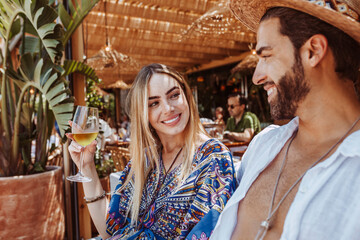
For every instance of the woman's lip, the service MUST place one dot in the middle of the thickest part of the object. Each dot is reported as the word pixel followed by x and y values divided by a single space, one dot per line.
pixel 172 120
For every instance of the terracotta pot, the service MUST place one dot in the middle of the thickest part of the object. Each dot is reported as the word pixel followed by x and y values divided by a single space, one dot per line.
pixel 32 206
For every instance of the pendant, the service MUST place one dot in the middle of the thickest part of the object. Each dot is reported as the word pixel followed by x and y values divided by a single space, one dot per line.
pixel 264 227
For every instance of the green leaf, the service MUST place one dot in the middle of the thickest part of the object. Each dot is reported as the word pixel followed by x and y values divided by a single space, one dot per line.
pixel 54 89
pixel 72 66
pixel 30 45
pixel 77 15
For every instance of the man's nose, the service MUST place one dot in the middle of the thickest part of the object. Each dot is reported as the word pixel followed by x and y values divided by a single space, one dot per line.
pixel 259 75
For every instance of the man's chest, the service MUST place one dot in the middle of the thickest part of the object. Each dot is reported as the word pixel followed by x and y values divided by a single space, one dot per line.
pixel 270 196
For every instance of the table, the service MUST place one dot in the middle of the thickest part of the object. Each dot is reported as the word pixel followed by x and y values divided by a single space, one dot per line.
pixel 237 149
pixel 124 144
pixel 234 144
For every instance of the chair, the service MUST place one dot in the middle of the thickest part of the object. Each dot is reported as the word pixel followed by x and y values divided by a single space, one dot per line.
pixel 56 157
pixel 120 156
pixel 239 153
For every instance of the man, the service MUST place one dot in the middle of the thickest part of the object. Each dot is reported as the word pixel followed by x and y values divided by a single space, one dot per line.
pixel 301 180
pixel 242 125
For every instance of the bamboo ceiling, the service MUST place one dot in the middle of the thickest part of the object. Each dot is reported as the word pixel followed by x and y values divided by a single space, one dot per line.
pixel 183 34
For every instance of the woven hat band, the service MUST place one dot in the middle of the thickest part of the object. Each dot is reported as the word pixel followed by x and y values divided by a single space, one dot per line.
pixel 338 6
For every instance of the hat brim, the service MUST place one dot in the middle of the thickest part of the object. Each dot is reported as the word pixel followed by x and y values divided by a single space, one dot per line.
pixel 249 12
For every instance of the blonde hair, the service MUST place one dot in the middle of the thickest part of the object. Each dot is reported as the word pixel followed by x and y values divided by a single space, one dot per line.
pixel 145 141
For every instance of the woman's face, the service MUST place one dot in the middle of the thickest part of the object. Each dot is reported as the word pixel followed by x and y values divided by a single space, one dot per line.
pixel 168 107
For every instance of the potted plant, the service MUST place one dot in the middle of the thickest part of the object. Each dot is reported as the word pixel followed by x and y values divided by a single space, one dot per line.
pixel 34 94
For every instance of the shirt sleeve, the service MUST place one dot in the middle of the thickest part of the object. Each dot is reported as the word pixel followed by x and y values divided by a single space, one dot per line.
pixel 215 184
pixel 227 125
pixel 119 203
pixel 249 122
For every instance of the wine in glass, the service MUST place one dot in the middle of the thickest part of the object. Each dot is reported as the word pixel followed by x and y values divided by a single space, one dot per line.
pixel 85 128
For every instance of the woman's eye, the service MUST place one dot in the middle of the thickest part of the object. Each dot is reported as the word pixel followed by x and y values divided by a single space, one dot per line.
pixel 175 95
pixel 153 104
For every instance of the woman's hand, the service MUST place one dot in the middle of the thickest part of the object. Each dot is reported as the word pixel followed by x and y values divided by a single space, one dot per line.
pixel 75 149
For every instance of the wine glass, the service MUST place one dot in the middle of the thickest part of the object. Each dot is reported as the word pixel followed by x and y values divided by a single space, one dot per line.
pixel 85 128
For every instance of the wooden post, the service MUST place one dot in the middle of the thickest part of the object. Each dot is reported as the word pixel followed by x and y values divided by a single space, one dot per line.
pixel 79 88
pixel 118 107
pixel 67 172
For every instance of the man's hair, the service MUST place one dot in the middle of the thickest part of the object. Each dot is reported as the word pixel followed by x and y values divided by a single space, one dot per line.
pixel 242 99
pixel 300 26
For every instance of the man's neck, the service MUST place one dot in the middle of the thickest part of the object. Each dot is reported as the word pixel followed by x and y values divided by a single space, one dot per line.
pixel 238 118
pixel 322 117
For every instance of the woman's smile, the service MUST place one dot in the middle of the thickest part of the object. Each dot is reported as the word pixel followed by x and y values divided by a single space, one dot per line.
pixel 173 120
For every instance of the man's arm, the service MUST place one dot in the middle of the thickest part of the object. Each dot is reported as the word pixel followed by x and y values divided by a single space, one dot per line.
pixel 245 136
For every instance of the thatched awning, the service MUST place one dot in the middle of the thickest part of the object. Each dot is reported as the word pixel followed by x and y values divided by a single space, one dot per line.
pixel 247 64
pixel 168 32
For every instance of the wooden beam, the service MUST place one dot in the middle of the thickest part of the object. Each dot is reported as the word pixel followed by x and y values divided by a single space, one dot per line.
pixel 155 44
pixel 188 5
pixel 134 9
pixel 218 63
pixel 116 26
pixel 130 34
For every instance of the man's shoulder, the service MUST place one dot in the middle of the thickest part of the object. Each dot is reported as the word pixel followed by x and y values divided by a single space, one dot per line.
pixel 273 133
pixel 250 115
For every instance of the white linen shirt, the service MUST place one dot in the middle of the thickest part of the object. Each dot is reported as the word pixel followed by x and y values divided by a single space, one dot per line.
pixel 327 203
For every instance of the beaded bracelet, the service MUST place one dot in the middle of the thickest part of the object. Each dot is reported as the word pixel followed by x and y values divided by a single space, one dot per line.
pixel 94 199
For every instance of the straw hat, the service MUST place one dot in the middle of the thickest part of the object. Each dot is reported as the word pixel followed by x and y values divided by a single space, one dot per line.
pixel 343 14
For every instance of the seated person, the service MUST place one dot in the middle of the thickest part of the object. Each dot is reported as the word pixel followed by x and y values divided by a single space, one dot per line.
pixel 242 125
pixel 177 175
pixel 301 180
pixel 219 115
pixel 106 134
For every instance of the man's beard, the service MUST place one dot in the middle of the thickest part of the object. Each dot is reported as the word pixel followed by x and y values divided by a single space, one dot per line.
pixel 292 88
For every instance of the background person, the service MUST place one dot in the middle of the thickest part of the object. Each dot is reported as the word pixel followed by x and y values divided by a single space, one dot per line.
pixel 176 175
pixel 106 134
pixel 242 125
pixel 298 180
pixel 219 116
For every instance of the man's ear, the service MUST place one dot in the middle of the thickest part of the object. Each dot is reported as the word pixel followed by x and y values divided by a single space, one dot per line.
pixel 317 47
pixel 242 106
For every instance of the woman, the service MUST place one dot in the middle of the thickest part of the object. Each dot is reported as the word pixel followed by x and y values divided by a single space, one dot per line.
pixel 177 173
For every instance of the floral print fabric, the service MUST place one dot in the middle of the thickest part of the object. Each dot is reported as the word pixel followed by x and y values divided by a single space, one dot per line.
pixel 178 206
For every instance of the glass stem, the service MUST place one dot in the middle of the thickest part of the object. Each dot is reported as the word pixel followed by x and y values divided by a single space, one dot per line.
pixel 81 161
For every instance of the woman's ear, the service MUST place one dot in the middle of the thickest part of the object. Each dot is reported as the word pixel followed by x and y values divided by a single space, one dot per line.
pixel 317 47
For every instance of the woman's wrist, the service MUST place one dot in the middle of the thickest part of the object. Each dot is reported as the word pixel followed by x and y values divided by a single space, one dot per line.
pixel 95 198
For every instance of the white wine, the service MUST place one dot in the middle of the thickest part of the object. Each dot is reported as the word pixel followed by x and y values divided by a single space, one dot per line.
pixel 85 139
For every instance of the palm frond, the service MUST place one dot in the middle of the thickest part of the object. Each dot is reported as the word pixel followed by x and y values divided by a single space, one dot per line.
pixel 77 14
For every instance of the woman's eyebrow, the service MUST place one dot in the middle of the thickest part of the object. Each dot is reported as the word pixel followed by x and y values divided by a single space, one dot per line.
pixel 172 89
pixel 154 97
pixel 169 91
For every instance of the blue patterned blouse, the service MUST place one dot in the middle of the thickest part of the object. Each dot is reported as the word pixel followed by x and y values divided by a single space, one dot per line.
pixel 177 209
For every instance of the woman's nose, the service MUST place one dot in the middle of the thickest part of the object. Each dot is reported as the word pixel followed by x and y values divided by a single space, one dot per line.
pixel 167 107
